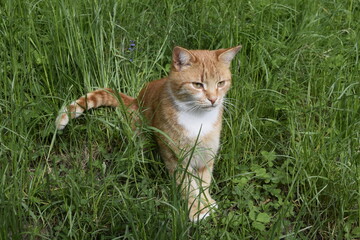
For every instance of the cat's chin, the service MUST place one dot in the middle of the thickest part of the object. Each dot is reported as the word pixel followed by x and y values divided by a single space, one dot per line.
pixel 196 107
pixel 209 107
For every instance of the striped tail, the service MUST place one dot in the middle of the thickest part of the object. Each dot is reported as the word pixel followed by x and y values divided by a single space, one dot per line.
pixel 98 98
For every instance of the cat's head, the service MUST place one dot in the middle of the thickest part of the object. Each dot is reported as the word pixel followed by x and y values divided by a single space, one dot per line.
pixel 199 79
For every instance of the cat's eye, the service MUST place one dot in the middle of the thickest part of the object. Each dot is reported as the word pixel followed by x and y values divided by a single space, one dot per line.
pixel 221 84
pixel 198 85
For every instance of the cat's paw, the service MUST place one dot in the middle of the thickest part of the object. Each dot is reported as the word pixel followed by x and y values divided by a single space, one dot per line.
pixel 62 120
pixel 198 215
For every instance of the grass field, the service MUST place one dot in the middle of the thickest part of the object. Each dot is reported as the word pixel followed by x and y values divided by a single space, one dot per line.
pixel 289 163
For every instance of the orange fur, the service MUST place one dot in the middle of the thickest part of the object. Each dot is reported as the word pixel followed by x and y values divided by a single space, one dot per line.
pixel 187 107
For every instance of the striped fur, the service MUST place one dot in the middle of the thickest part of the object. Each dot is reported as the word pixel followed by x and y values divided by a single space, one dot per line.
pixel 103 97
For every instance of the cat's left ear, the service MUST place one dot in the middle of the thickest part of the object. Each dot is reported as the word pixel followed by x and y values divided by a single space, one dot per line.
pixel 226 55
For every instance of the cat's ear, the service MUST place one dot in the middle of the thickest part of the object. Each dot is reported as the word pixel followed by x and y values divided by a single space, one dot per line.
pixel 181 58
pixel 226 55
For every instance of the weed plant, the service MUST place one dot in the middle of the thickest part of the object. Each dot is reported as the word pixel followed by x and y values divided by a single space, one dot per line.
pixel 288 167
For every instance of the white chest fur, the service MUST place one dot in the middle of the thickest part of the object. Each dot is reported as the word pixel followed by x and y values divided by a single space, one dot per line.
pixel 198 122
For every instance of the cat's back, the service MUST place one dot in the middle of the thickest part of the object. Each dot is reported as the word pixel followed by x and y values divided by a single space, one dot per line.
pixel 151 95
pixel 150 92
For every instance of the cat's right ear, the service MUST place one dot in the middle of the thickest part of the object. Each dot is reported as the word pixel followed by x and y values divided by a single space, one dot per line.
pixel 182 58
pixel 226 55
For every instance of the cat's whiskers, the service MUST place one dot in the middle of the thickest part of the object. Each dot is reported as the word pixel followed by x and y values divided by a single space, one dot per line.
pixel 229 107
pixel 193 108
pixel 229 104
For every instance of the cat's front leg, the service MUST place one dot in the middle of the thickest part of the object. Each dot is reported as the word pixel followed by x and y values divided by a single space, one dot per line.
pixel 201 206
pixel 194 179
pixel 195 194
pixel 205 176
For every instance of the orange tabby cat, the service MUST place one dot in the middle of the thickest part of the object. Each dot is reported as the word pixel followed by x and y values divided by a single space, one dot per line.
pixel 187 107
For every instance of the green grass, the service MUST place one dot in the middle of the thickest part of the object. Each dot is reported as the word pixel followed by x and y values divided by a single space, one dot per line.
pixel 288 167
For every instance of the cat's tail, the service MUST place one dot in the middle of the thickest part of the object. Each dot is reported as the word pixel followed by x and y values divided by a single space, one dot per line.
pixel 98 98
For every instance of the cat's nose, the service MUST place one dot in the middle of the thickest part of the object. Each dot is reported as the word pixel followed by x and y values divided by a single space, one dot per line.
pixel 212 100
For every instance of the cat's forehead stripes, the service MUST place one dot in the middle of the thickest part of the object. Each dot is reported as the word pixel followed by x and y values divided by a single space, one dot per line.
pixel 203 72
pixel 208 65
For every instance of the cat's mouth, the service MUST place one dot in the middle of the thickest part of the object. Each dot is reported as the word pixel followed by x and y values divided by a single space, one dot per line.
pixel 195 106
pixel 209 107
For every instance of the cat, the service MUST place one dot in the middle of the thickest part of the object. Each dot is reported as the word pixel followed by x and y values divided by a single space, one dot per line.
pixel 186 107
